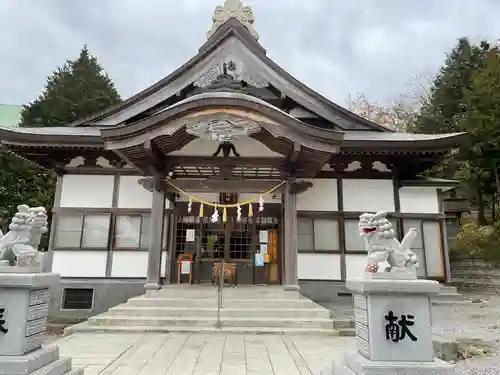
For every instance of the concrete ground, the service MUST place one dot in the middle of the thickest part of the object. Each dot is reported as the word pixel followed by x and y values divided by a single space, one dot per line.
pixel 197 354
pixel 168 354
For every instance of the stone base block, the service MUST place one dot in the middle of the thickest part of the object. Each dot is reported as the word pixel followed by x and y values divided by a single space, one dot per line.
pixel 356 364
pixel 44 361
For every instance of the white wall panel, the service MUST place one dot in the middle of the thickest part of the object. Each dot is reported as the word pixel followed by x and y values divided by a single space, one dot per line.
pixel 245 146
pixel 419 199
pixel 362 195
pixel 129 264
pixel 87 191
pixel 319 266
pixel 133 195
pixel 322 196
pixel 80 263
pixel 433 251
pixel 355 265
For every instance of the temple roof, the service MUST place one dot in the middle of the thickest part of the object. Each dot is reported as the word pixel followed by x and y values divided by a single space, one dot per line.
pixel 231 80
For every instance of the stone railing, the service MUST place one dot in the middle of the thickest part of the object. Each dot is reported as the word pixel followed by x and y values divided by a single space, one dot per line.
pixel 476 274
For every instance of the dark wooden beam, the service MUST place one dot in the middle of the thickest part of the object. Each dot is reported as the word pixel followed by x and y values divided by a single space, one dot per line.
pixel 155 157
pixel 218 185
pixel 129 162
pixel 224 162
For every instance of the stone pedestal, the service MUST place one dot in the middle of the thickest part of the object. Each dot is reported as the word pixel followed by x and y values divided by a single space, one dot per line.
pixel 393 327
pixel 24 307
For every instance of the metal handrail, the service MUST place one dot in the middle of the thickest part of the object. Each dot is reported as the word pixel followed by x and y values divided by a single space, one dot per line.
pixel 220 287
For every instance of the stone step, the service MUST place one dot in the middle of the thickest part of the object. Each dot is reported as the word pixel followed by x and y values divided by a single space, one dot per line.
pixel 347 332
pixel 227 303
pixel 75 371
pixel 449 297
pixel 59 367
pixel 197 322
pixel 85 327
pixel 128 310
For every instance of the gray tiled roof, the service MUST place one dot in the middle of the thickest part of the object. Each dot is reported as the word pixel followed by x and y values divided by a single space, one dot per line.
pixel 401 137
pixel 349 135
pixel 55 130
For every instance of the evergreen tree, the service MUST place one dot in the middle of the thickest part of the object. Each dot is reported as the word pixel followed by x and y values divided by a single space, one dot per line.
pixel 73 91
pixel 480 119
pixel 446 100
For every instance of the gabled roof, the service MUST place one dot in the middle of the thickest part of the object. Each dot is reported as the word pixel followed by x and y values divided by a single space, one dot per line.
pixel 230 40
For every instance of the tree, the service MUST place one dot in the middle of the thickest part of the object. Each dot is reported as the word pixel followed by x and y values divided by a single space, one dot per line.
pixel 75 90
pixel 401 113
pixel 445 99
pixel 480 118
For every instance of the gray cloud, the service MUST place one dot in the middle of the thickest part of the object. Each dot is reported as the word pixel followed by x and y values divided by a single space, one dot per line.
pixel 336 47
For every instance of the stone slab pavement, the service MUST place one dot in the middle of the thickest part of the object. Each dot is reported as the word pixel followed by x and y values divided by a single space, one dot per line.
pixel 198 354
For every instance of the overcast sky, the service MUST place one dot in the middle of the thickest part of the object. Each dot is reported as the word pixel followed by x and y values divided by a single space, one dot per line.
pixel 337 47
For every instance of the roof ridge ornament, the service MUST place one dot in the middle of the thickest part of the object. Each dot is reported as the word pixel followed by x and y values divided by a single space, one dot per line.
pixel 233 9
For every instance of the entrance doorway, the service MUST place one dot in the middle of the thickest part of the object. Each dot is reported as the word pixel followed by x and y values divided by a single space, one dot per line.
pixel 234 242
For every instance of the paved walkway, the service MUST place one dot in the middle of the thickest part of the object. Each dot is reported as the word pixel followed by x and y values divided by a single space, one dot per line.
pixel 197 354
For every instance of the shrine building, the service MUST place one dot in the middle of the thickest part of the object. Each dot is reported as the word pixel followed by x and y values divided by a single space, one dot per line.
pixel 229 158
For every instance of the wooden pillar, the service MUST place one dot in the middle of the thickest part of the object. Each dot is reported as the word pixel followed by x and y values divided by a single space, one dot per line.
pixel 444 238
pixel 290 278
pixel 156 234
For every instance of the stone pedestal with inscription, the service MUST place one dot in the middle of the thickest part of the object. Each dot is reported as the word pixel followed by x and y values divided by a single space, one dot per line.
pixel 393 327
pixel 24 307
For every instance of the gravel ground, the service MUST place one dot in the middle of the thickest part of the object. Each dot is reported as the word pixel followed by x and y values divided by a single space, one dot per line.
pixel 479 320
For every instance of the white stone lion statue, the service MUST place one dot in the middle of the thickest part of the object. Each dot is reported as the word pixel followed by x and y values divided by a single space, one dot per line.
pixel 19 246
pixel 385 252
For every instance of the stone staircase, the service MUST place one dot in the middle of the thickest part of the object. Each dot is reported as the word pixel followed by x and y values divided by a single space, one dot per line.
pixel 193 308
pixel 449 295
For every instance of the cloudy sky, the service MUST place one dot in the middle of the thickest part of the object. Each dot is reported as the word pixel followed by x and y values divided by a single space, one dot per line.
pixel 337 47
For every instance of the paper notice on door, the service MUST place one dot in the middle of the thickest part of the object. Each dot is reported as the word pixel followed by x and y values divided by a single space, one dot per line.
pixel 185 267
pixel 263 235
pixel 189 235
pixel 259 260
pixel 263 249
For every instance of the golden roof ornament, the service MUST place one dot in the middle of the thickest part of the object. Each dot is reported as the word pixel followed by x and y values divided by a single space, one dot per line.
pixel 233 9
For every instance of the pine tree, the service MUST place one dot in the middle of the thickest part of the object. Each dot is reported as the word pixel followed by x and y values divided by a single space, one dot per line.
pixel 73 91
pixel 446 101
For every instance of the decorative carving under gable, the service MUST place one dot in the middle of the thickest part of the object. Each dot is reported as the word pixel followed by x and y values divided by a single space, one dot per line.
pixel 380 167
pixel 233 9
pixel 300 187
pixel 236 69
pixel 103 162
pixel 76 162
pixel 94 162
pixel 353 166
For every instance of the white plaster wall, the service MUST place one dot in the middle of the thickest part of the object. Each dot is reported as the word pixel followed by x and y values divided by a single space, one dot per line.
pixel 245 146
pixel 129 264
pixel 80 263
pixel 87 191
pixel 363 195
pixel 419 199
pixel 322 196
pixel 133 195
pixel 319 267
pixel 355 265
pixel 433 251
